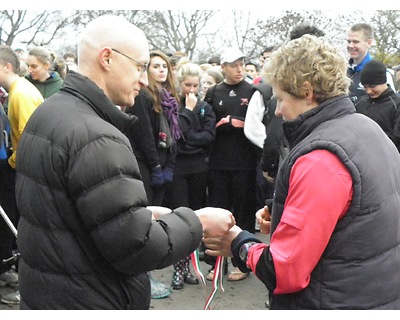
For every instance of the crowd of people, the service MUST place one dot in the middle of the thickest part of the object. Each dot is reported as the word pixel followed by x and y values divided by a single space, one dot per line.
pixel 129 160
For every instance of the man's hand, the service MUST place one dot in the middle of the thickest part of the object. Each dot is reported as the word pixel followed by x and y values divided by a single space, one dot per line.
pixel 215 221
pixel 263 217
pixel 221 246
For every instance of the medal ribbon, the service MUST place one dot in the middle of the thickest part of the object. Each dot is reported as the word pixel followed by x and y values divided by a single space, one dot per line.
pixel 217 279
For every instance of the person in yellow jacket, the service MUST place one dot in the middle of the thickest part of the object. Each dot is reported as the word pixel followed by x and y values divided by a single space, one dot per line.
pixel 23 98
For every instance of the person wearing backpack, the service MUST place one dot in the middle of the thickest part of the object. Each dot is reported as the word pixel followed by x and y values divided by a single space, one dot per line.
pixel 233 157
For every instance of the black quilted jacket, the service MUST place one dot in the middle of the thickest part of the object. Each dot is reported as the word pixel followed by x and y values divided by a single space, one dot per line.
pixel 85 237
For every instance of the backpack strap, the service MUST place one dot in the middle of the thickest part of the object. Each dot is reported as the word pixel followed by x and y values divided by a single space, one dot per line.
pixel 209 96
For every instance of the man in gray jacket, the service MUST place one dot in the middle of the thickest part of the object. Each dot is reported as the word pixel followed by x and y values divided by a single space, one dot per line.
pixel 85 235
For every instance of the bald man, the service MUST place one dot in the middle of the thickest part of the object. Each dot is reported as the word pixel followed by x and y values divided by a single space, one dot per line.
pixel 85 235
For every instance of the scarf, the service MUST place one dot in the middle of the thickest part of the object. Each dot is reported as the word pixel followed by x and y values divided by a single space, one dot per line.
pixel 170 108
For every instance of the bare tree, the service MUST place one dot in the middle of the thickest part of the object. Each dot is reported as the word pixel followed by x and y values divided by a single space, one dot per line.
pixel 176 30
pixel 387 36
pixel 252 34
pixel 201 34
pixel 33 28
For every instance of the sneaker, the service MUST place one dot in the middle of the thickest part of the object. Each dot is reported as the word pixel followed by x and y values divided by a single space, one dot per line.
pixel 11 298
pixel 159 290
pixel 9 278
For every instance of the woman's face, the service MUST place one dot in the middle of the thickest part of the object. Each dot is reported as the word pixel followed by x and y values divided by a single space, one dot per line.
pixel 207 82
pixel 158 69
pixel 190 85
pixel 288 106
pixel 38 70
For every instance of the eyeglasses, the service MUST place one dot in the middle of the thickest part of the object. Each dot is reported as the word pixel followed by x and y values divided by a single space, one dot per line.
pixel 141 66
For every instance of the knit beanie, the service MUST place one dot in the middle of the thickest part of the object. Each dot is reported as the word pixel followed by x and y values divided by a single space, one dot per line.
pixel 373 73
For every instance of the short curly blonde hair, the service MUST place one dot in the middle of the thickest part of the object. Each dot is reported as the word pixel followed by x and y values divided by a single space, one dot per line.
pixel 309 59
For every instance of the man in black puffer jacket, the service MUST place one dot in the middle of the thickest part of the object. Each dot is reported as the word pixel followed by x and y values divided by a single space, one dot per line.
pixel 85 235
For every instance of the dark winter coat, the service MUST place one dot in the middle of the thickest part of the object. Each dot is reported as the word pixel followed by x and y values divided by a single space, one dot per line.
pixel 85 237
pixel 385 111
pixel 198 133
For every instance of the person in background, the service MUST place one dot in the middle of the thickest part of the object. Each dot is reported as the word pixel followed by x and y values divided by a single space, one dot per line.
pixel 215 60
pixel 189 185
pixel 40 66
pixel 233 158
pixel 61 67
pixel 205 66
pixel 175 59
pixel 86 235
pixel 8 273
pixel 303 29
pixel 22 55
pixel 154 137
pixel 397 78
pixel 23 68
pixel 334 230
pixel 21 52
pixel 359 41
pixel 251 70
pixel 264 55
pixel 210 77
pixel 381 103
pixel 22 100
pixel 261 115
pixel 71 61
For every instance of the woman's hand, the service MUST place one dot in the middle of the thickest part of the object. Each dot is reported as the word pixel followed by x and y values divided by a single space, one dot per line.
pixel 191 101
pixel 263 217
pixel 221 246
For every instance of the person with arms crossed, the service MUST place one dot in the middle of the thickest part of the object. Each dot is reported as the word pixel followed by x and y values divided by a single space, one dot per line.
pixel 86 238
pixel 334 230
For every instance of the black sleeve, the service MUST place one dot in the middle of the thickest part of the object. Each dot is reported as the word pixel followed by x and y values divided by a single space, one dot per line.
pixel 242 238
pixel 265 270
pixel 273 141
pixel 141 135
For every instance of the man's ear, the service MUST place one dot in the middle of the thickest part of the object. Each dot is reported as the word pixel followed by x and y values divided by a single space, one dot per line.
pixel 105 57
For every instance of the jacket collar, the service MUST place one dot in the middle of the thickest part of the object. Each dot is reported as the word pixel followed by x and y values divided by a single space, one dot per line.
pixel 297 129
pixel 357 68
pixel 85 89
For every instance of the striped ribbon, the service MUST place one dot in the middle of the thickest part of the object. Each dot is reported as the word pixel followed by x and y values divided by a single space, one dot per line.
pixel 217 280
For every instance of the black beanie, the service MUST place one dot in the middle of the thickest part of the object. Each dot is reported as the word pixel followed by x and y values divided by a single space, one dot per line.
pixel 373 73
